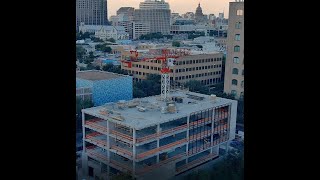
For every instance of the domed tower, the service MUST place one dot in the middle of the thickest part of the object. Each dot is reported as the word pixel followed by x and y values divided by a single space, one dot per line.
pixel 199 14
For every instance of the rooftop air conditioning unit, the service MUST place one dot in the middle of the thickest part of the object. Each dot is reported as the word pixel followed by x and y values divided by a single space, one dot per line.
pixel 141 109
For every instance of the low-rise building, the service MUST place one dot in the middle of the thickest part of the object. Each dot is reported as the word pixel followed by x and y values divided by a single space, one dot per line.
pixel 152 139
pixel 104 87
pixel 105 32
pixel 197 65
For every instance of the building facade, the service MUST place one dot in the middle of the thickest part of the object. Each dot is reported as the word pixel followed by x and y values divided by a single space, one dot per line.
pixel 105 32
pixel 140 28
pixel 156 13
pixel 206 68
pixel 152 139
pixel 91 12
pixel 234 71
pixel 104 87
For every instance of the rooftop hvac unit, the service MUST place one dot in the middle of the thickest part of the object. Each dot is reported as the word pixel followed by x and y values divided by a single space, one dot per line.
pixel 141 109
pixel 163 110
pixel 213 97
pixel 171 108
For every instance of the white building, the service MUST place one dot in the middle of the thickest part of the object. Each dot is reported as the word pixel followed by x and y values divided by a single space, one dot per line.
pixel 156 13
pixel 105 32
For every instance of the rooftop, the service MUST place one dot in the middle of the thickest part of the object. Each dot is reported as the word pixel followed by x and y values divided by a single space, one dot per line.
pixel 145 112
pixel 96 75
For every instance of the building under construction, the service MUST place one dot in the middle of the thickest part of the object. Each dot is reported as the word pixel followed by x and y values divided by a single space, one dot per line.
pixel 149 138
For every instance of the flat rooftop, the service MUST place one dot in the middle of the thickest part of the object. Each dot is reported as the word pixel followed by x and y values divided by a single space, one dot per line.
pixel 128 114
pixel 96 75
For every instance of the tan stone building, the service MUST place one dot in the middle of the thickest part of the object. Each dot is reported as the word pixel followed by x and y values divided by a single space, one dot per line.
pixel 234 71
pixel 206 68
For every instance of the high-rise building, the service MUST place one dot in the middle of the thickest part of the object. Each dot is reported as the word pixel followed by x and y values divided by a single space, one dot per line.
pixel 156 13
pixel 91 12
pixel 151 139
pixel 234 71
pixel 127 11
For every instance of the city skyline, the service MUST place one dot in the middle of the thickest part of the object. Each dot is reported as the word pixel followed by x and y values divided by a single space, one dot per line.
pixel 177 6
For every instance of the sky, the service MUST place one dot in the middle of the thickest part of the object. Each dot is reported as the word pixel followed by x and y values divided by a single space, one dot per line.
pixel 177 6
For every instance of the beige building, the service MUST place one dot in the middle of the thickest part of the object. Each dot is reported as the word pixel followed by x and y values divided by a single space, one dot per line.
pixel 206 68
pixel 156 14
pixel 234 71
pixel 140 28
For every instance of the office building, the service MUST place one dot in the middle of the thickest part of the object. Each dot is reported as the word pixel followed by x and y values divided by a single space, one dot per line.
pixel 152 139
pixel 234 71
pixel 196 65
pixel 91 12
pixel 156 13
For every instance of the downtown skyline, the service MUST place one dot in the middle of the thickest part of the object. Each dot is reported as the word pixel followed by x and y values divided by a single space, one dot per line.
pixel 177 6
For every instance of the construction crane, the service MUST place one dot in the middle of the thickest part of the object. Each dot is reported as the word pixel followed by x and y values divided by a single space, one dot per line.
pixel 168 59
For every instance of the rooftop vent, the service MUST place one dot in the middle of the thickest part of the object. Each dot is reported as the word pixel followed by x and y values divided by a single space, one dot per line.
pixel 213 97
pixel 195 97
pixel 171 108
pixel 141 109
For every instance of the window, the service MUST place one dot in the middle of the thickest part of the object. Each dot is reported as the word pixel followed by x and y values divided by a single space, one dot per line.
pixel 237 49
pixel 177 70
pixel 234 82
pixel 235 71
pixel 237 37
pixel 238 25
pixel 239 12
pixel 241 95
pixel 242 83
pixel 234 92
pixel 236 60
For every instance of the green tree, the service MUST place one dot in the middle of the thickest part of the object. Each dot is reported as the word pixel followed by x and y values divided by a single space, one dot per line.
pixel 200 46
pixel 176 44
pixel 80 53
pixel 111 40
pixel 91 55
pixel 108 67
pixel 196 86
pixel 149 87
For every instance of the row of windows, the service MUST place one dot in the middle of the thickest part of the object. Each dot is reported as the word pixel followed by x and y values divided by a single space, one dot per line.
pixel 197 75
pixel 198 68
pixel 235 82
pixel 236 71
pixel 198 61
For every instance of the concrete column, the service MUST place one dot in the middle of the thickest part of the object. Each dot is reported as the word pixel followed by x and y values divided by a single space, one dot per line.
pixel 212 129
pixel 134 151
pixel 188 129
pixel 83 132
pixel 158 142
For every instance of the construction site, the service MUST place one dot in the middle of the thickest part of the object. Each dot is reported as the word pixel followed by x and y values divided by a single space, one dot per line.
pixel 156 137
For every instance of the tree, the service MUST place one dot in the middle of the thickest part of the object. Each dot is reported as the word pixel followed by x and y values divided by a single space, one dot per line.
pixel 197 86
pixel 149 87
pixel 80 52
pixel 111 40
pixel 176 44
pixel 200 46
pixel 91 55
pixel 108 67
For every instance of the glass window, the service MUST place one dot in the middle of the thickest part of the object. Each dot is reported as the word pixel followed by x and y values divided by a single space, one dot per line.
pixel 236 60
pixel 239 12
pixel 237 37
pixel 242 83
pixel 234 92
pixel 236 48
pixel 235 71
pixel 238 25
pixel 234 82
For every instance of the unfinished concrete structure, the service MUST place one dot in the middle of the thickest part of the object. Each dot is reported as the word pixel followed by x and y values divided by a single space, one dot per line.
pixel 149 138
